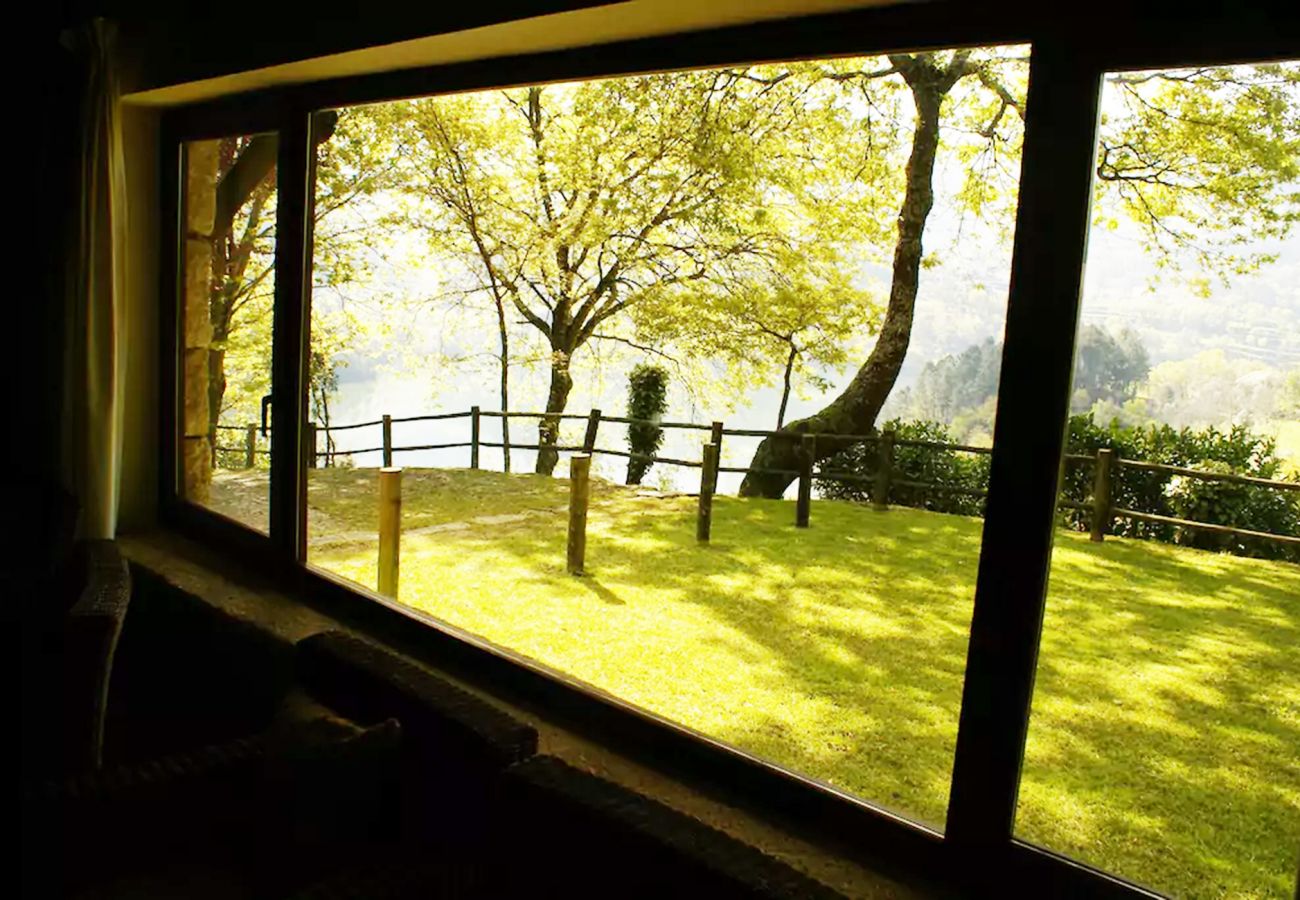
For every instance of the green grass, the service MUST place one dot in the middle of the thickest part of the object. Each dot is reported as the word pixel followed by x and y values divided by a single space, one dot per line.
pixel 1165 740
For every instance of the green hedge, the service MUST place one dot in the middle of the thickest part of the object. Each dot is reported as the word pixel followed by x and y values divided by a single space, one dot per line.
pixel 1236 450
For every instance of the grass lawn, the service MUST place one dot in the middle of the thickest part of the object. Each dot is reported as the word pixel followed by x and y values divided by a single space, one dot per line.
pixel 1165 742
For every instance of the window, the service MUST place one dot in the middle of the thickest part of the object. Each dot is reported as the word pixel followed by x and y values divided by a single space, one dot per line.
pixel 505 279
pixel 227 298
pixel 1165 738
pixel 443 307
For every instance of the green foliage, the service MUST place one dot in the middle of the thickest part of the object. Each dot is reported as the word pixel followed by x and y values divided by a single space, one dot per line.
pixel 1236 450
pixel 953 385
pixel 647 398
pixel 1205 160
pixel 1107 367
pixel 926 464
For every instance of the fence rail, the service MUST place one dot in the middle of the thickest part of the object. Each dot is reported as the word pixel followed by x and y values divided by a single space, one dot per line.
pixel 1100 507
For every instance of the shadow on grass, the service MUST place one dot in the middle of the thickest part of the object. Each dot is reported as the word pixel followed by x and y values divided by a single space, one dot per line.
pixel 1166 727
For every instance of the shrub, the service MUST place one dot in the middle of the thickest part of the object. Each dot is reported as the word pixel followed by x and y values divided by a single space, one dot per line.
pixel 1236 450
pixel 647 398
pixel 924 464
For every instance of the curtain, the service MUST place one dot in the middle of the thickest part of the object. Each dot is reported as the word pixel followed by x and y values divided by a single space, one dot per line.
pixel 93 358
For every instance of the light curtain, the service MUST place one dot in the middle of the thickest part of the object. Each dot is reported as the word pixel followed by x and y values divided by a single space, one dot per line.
pixel 94 358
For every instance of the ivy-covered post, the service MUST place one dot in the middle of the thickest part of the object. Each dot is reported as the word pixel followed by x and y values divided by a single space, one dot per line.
pixel 647 401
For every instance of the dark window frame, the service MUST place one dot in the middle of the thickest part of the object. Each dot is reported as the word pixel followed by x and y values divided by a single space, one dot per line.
pixel 978 849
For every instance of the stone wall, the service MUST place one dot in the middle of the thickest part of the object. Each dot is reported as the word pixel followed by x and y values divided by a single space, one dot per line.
pixel 200 211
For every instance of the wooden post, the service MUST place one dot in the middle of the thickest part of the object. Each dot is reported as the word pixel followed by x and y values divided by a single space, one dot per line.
pixel 884 470
pixel 309 440
pixel 390 529
pixel 250 446
pixel 589 439
pixel 474 419
pixel 715 438
pixel 579 495
pixel 708 482
pixel 388 442
pixel 1101 493
pixel 803 502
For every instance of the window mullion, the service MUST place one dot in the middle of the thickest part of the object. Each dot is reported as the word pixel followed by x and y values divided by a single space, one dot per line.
pixel 1029 438
pixel 289 342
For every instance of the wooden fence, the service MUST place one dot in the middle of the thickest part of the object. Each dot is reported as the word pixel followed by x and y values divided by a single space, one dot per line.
pixel 1100 508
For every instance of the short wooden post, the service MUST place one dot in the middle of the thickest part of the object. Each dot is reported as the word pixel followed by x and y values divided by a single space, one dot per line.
pixel 708 483
pixel 474 419
pixel 1101 493
pixel 715 438
pixel 593 425
pixel 390 529
pixel 309 440
pixel 388 442
pixel 250 446
pixel 579 495
pixel 884 469
pixel 803 503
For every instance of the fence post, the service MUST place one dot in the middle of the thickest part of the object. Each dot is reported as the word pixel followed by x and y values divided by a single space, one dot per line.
pixel 884 469
pixel 388 442
pixel 589 439
pixel 579 494
pixel 390 529
pixel 1101 493
pixel 309 439
pixel 803 503
pixel 708 483
pixel 474 419
pixel 250 446
pixel 715 438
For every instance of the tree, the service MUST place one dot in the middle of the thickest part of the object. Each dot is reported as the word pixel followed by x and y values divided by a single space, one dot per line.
pixel 953 385
pixel 241 296
pixel 1205 161
pixel 579 208
pixel 1107 368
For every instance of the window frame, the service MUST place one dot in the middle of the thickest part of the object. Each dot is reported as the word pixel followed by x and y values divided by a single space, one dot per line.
pixel 977 849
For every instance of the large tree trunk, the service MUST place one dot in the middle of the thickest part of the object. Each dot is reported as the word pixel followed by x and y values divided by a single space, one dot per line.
pixel 856 409
pixel 548 430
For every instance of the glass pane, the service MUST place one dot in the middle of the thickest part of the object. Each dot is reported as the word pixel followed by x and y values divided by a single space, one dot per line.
pixel 511 276
pixel 226 303
pixel 1165 739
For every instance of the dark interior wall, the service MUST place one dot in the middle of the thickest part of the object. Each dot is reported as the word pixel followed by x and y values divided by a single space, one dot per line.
pixel 49 110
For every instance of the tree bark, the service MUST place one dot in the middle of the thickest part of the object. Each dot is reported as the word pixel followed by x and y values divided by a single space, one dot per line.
pixel 856 409
pixel 548 430
pixel 505 381
pixel 785 387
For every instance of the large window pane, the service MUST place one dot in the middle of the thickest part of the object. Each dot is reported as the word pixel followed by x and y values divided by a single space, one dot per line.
pixel 227 296
pixel 741 246
pixel 1165 738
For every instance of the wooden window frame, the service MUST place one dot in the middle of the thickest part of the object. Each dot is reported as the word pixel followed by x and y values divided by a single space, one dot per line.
pixel 977 850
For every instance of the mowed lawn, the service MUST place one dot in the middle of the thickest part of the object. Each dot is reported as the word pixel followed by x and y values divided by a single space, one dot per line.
pixel 1165 740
